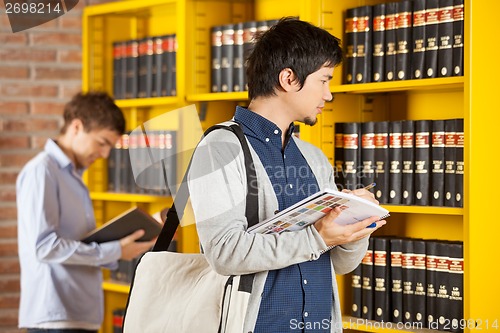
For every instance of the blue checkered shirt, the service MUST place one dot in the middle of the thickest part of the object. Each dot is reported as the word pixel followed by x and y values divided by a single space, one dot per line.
pixel 297 298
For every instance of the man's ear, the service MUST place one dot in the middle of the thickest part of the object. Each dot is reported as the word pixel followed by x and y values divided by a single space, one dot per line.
pixel 288 80
pixel 75 126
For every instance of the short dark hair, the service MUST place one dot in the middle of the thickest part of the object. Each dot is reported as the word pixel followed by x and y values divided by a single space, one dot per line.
pixel 294 44
pixel 96 110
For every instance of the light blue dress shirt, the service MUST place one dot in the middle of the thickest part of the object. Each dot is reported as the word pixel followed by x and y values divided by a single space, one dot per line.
pixel 61 278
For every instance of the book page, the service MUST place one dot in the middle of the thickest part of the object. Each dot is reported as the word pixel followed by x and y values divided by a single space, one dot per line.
pixel 313 208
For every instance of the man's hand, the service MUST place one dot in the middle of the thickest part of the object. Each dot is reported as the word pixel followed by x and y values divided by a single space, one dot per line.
pixel 131 249
pixel 336 234
pixel 362 193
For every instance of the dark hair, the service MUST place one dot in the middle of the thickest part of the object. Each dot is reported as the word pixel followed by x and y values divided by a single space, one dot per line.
pixel 96 110
pixel 294 44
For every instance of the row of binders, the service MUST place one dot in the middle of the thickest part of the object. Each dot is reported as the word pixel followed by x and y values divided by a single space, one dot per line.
pixel 415 281
pixel 412 162
pixel 143 164
pixel 144 68
pixel 230 46
pixel 409 39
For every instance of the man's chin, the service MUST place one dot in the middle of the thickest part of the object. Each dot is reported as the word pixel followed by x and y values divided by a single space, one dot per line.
pixel 310 121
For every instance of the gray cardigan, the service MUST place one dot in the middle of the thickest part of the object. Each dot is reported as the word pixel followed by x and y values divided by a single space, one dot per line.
pixel 217 183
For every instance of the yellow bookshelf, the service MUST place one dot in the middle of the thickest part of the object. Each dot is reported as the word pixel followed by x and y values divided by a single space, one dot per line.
pixel 472 97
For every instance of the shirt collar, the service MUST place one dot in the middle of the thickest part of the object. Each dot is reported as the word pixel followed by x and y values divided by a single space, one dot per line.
pixel 58 155
pixel 257 126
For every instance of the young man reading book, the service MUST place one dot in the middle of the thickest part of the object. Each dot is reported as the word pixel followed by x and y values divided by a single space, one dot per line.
pixel 294 287
pixel 61 279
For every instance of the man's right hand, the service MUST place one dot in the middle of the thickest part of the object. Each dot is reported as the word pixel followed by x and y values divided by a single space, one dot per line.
pixel 131 248
pixel 335 234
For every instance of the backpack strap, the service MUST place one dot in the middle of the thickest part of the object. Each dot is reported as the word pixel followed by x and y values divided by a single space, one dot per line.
pixel 176 212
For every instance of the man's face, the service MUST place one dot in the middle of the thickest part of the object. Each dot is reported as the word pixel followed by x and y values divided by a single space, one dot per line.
pixel 310 100
pixel 89 146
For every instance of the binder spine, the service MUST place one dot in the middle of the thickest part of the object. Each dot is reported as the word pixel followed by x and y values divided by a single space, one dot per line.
pixel 418 54
pixel 356 292
pixel 381 265
pixel 227 58
pixel 431 38
pixel 437 163
pixel 351 151
pixel 458 37
pixel 216 54
pixel 339 156
pixel 404 40
pixel 368 152
pixel 382 161
pixel 378 42
pixel 238 68
pixel 422 161
pixel 449 160
pixel 350 36
pixel 408 161
pixel 396 280
pixel 390 40
pixel 459 163
pixel 363 59
pixel 367 285
pixel 395 162
pixel 445 50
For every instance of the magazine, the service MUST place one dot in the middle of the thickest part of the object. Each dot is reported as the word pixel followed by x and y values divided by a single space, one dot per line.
pixel 316 206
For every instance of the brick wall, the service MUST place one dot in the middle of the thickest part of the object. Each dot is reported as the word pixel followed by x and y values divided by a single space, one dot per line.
pixel 40 69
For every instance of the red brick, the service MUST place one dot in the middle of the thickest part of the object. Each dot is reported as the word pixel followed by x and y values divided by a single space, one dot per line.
pixel 38 142
pixel 47 108
pixel 70 21
pixel 8 318
pixel 8 231
pixel 26 90
pixel 9 265
pixel 69 56
pixel 10 142
pixel 52 73
pixel 56 38
pixel 8 249
pixel 13 39
pixel 13 160
pixel 14 72
pixel 31 124
pixel 13 108
pixel 7 195
pixel 9 301
pixel 8 177
pixel 68 91
pixel 25 54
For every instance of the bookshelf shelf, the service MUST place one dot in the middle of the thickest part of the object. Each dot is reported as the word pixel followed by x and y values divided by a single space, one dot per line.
pixel 234 96
pixel 125 197
pixel 358 324
pixel 116 287
pixel 121 8
pixel 424 210
pixel 449 83
pixel 147 102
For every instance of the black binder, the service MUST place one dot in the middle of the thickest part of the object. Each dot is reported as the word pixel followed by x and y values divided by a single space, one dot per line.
pixel 422 162
pixel 418 36
pixel 378 59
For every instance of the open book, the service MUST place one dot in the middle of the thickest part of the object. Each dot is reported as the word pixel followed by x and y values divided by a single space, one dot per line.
pixel 125 224
pixel 316 206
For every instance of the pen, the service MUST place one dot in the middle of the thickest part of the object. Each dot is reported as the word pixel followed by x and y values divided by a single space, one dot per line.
pixel 369 187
